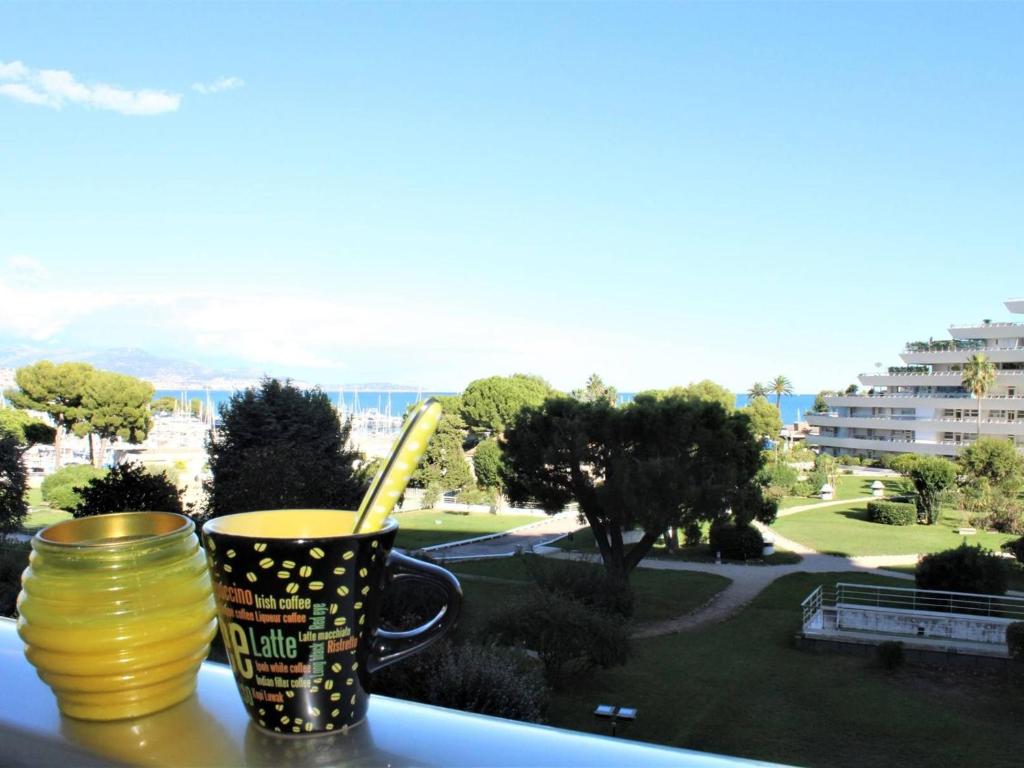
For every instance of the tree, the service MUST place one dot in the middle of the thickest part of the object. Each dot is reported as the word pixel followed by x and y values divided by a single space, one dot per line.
pixel 652 464
pixel 931 476
pixel 128 488
pixel 487 464
pixel 56 390
pixel 165 404
pixel 705 390
pixel 490 405
pixel 596 390
pixel 994 462
pixel 780 386
pixel 115 405
pixel 765 419
pixel 25 429
pixel 979 378
pixel 281 447
pixel 820 406
pixel 757 391
pixel 444 464
pixel 13 508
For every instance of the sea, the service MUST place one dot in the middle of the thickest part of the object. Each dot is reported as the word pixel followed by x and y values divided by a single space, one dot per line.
pixel 793 407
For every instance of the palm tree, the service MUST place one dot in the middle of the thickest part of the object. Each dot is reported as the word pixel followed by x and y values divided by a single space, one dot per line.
pixel 979 376
pixel 780 385
pixel 758 390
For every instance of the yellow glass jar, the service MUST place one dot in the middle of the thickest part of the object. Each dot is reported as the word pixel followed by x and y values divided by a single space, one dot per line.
pixel 117 612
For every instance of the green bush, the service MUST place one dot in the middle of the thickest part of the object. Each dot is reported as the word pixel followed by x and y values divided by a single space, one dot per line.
pixel 693 534
pixel 778 474
pixel 128 488
pixel 487 464
pixel 60 490
pixel 964 569
pixel 475 496
pixel 1015 640
pixel 487 679
pixel 586 583
pixel 13 560
pixel 566 635
pixel 890 653
pixel 13 484
pixel 432 495
pixel 892 513
pixel 736 542
pixel 804 488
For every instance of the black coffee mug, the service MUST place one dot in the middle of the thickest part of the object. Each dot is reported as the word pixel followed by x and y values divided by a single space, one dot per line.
pixel 298 602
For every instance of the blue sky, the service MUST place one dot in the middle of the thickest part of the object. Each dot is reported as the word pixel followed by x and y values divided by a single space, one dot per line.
pixel 429 193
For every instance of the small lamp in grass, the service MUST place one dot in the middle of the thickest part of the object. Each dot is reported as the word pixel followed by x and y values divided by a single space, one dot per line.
pixel 614 714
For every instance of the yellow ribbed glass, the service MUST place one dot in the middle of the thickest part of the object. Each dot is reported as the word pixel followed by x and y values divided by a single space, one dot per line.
pixel 117 612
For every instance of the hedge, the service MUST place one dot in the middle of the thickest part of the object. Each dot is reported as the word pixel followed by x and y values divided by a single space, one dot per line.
pixel 892 513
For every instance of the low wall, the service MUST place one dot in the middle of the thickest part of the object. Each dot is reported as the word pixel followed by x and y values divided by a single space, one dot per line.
pixel 911 655
pixel 951 626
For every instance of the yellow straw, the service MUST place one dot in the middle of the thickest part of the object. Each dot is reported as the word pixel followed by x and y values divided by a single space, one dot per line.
pixel 405 456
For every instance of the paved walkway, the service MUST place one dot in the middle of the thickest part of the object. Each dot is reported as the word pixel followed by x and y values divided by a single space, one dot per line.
pixel 523 539
pixel 826 504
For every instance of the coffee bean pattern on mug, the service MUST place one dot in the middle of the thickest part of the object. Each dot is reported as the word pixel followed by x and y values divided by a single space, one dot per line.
pixel 276 613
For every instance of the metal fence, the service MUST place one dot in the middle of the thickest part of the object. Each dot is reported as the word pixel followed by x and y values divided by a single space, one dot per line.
pixel 932 601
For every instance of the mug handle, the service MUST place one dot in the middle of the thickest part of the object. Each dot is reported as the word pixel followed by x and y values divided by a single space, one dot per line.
pixel 390 646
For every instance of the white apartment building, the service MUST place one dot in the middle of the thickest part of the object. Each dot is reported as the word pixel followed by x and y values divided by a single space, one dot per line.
pixel 922 407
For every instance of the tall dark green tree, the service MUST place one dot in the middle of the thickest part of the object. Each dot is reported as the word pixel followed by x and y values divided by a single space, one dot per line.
pixel 490 405
pixel 487 464
pixel 57 390
pixel 652 465
pixel 115 405
pixel 444 465
pixel 281 447
pixel 24 428
pixel 12 486
pixel 931 476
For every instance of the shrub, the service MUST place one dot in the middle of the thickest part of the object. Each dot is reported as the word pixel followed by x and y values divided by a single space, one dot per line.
pixel 432 495
pixel 487 679
pixel 892 513
pixel 566 635
pixel 803 488
pixel 13 560
pixel 128 488
pixel 964 569
pixel 1016 548
pixel 60 490
pixel 1015 640
pixel 475 496
pixel 890 653
pixel 777 473
pixel 487 464
pixel 736 542
pixel 584 582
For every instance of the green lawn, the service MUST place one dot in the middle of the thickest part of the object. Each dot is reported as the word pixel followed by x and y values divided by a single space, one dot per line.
pixel 40 514
pixel 850 487
pixel 583 541
pixel 659 594
pixel 428 527
pixel 845 530
pixel 741 688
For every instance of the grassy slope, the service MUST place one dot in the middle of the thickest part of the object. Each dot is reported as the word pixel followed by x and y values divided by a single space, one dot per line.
pixel 845 530
pixel 422 529
pixel 659 594
pixel 741 688
pixel 40 514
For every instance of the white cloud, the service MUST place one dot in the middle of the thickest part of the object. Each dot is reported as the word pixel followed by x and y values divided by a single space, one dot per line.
pixel 22 266
pixel 218 85
pixel 56 87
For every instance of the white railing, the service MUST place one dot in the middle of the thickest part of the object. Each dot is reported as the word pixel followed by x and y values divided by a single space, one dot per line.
pixel 928 600
pixel 976 324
